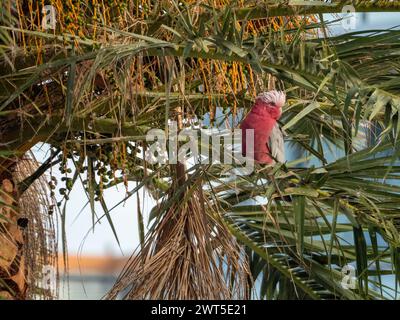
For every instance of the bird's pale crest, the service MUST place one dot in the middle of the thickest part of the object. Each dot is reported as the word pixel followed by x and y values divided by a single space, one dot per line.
pixel 278 98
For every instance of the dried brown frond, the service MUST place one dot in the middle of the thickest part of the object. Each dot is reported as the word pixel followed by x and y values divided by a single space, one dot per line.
pixel 189 255
pixel 40 242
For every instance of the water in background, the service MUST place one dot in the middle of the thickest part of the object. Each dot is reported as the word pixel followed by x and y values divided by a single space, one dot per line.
pixel 365 21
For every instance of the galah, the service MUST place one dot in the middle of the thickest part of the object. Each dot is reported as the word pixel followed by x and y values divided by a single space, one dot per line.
pixel 268 137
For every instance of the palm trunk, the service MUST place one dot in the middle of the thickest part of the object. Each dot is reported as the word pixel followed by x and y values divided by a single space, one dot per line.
pixel 13 284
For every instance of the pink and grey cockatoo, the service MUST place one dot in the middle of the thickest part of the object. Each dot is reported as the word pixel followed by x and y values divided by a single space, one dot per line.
pixel 268 137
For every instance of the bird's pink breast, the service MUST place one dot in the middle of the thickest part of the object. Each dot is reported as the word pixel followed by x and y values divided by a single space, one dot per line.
pixel 262 121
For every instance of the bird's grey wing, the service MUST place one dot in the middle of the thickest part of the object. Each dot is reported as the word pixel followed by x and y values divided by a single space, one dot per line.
pixel 277 144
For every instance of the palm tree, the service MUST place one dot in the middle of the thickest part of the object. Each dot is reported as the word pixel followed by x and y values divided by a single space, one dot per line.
pixel 107 73
pixel 27 236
